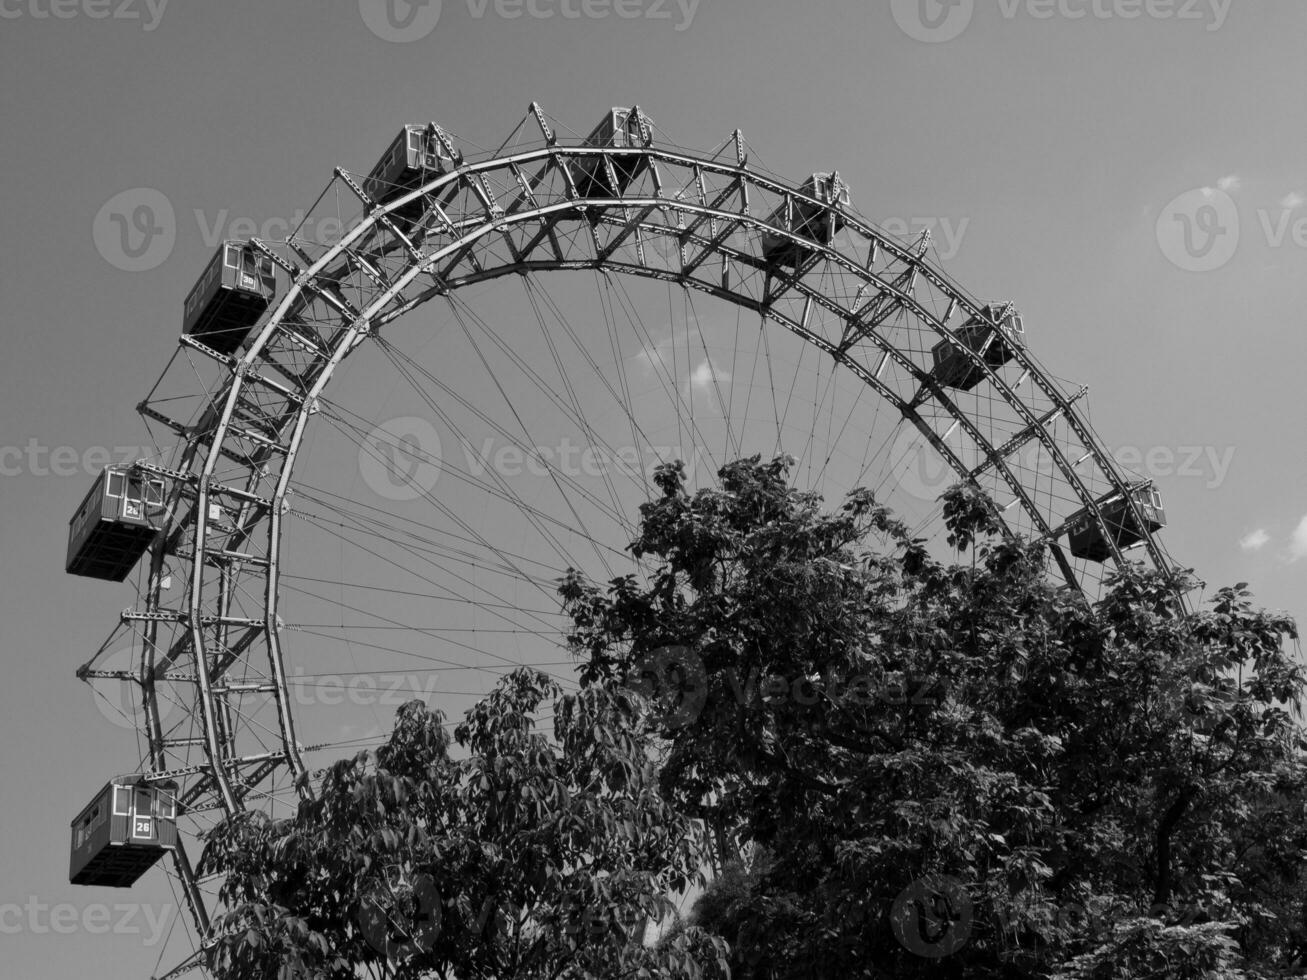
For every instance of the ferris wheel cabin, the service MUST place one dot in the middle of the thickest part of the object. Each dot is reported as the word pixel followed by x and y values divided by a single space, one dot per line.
pixel 623 129
pixel 1086 539
pixel 122 833
pixel 953 369
pixel 115 524
pixel 414 156
pixel 231 294
pixel 819 222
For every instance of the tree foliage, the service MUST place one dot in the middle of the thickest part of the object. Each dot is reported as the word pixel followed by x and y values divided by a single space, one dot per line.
pixel 528 857
pixel 960 770
pixel 900 767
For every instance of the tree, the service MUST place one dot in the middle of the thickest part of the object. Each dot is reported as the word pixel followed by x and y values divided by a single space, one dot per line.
pixel 530 857
pixel 958 770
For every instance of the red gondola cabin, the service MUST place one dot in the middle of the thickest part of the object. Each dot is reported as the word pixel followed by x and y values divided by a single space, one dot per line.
pixel 231 294
pixel 1087 540
pixel 818 222
pixel 115 524
pixel 623 129
pixel 953 369
pixel 414 156
pixel 122 832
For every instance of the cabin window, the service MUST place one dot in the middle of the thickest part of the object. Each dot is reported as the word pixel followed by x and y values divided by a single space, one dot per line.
pixel 414 140
pixel 167 806
pixel 233 257
pixel 115 485
pixel 154 492
pixel 121 800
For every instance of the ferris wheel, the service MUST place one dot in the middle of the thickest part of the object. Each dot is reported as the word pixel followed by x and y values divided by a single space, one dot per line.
pixel 529 330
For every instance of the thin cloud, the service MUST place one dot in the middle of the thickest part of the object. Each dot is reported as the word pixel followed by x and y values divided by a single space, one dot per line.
pixel 1292 200
pixel 1229 183
pixel 706 374
pixel 1254 540
pixel 1298 541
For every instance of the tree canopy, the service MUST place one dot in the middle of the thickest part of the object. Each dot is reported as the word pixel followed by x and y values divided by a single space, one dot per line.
pixel 899 766
pixel 931 769
pixel 530 857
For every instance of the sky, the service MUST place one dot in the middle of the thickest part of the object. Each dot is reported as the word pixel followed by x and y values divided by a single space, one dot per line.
pixel 1132 173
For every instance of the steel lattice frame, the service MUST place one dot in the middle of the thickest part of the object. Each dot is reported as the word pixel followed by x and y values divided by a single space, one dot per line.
pixel 874 304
